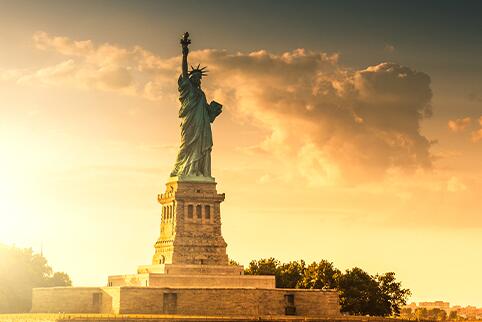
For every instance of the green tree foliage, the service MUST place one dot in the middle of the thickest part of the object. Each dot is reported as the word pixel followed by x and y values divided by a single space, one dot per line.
pixel 360 292
pixel 287 275
pixel 320 275
pixel 264 266
pixel 392 292
pixel 453 316
pixel 407 313
pixel 435 314
pixel 290 274
pixel 421 313
pixel 20 271
pixel 439 314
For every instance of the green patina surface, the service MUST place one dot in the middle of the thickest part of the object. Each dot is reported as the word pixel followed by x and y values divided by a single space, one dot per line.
pixel 194 155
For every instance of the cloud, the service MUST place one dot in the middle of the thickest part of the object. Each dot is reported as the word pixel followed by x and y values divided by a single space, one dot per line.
pixel 131 71
pixel 459 125
pixel 477 135
pixel 325 122
pixel 63 45
pixel 355 124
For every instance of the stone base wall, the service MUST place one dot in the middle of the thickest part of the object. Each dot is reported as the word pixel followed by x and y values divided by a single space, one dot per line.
pixel 184 301
pixel 193 281
pixel 67 299
pixel 211 281
pixel 256 302
pixel 191 269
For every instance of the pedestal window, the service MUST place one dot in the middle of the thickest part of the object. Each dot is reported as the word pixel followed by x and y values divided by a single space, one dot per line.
pixel 190 211
pixel 207 212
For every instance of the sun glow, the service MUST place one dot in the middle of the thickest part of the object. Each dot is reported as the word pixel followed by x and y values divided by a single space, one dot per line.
pixel 15 209
pixel 10 216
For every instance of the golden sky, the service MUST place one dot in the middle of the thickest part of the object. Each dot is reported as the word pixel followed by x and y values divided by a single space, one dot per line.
pixel 363 150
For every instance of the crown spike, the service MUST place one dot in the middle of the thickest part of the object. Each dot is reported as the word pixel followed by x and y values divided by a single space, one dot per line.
pixel 203 71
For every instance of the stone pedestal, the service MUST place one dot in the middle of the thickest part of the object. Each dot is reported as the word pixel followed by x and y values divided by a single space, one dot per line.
pixel 190 231
pixel 191 251
pixel 190 273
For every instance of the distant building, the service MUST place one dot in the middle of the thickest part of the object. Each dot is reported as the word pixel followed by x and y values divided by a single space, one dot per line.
pixel 434 305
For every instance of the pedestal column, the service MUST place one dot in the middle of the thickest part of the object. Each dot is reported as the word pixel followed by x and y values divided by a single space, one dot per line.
pixel 190 225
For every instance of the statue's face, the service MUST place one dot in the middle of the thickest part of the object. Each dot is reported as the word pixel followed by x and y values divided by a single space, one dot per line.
pixel 196 78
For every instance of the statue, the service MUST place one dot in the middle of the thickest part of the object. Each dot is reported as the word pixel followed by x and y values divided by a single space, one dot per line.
pixel 194 155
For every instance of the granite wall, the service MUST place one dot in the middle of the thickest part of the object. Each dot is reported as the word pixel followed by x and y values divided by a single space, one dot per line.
pixel 186 301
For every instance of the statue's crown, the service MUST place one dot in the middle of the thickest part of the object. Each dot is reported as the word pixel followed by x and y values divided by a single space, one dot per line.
pixel 203 70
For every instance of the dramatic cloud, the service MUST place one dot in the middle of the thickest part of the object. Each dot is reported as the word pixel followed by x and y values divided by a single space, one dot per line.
pixel 356 124
pixel 329 121
pixel 459 125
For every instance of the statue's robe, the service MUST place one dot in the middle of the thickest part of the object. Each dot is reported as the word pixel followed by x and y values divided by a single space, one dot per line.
pixel 194 155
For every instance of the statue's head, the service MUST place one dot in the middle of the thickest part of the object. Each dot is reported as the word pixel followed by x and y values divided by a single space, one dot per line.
pixel 196 74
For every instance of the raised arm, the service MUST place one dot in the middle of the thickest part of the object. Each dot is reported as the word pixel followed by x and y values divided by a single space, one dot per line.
pixel 185 41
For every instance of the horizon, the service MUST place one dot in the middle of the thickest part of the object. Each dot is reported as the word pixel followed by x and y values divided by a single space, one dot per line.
pixel 350 132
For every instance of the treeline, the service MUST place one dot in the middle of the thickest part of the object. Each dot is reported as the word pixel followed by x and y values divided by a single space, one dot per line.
pixel 435 314
pixel 20 271
pixel 360 293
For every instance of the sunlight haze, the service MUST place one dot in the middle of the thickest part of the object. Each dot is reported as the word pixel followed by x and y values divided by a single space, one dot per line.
pixel 343 138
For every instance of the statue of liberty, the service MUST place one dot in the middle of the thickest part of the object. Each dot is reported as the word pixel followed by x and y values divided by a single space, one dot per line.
pixel 194 155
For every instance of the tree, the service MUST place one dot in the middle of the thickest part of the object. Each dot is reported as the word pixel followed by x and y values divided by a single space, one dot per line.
pixel 439 314
pixel 392 292
pixel 290 274
pixel 363 294
pixel 453 316
pixel 360 294
pixel 264 266
pixel 421 313
pixel 58 279
pixel 320 275
pixel 286 275
pixel 20 271
pixel 435 314
pixel 407 314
